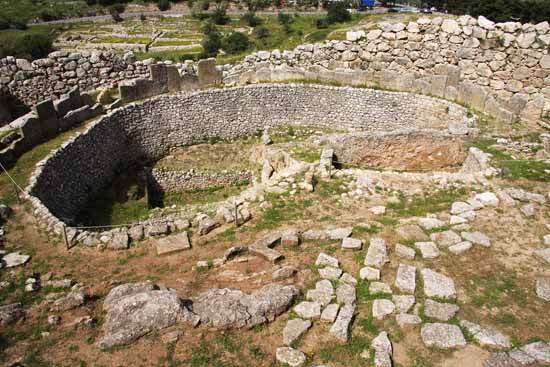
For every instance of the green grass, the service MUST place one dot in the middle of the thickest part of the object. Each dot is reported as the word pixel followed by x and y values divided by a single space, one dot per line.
pixel 31 43
pixel 497 290
pixel 174 55
pixel 26 10
pixel 421 204
pixel 348 354
pixel 133 40
pixel 173 42
pixel 203 196
pixel 512 169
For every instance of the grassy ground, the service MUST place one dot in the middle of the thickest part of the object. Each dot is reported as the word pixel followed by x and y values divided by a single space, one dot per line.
pixel 28 10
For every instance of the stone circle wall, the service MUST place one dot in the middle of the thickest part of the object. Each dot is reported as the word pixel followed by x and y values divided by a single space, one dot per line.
pixel 165 180
pixel 146 131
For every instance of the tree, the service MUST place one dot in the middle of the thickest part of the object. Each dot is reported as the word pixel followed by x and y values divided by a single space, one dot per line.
pixel 115 11
pixel 219 16
pixel 236 42
pixel 163 5
pixel 338 12
pixel 285 20
pixel 261 32
pixel 212 41
pixel 251 19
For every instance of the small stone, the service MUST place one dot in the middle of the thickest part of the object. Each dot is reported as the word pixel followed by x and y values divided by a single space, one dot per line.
pixel 460 247
pixel 404 319
pixel 455 219
pixel 543 254
pixel 445 238
pixel 440 311
pixel 442 336
pixel 352 244
pixel 476 238
pixel 438 285
pixel 54 319
pixel 171 337
pixel 294 329
pixel 349 279
pixel 460 207
pixel 428 250
pixel 71 300
pixel 368 273
pixel 11 313
pixel 379 288
pixel 430 223
pixel 323 292
pixel 488 199
pixel 330 313
pixel 14 259
pixel 284 273
pixel 120 241
pixel 405 280
pixel 469 216
pixel 528 210
pixel 378 210
pixel 345 293
pixel 290 356
pixel 377 253
pixel 403 302
pixel 486 336
pixel 340 328
pixel 339 233
pixel 540 351
pixel 289 240
pixel 330 272
pixel 381 308
pixel 326 260
pixel 404 251
pixel 411 233
pixel 542 288
pixel 308 310
pixel 546 240
pixel 172 244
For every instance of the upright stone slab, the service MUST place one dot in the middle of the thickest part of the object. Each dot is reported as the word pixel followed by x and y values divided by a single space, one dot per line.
pixel 48 118
pixel 32 131
pixel 209 75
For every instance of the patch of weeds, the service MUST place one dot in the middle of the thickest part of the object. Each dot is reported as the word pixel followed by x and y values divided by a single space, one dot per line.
pixel 363 294
pixel 420 205
pixel 496 290
pixel 256 352
pixel 346 354
pixel 388 221
pixel 418 359
pixel 507 319
pixel 363 229
pixel 368 325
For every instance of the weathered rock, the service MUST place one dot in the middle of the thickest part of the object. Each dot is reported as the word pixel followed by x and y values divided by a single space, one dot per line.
pixel 348 278
pixel 14 259
pixel 520 357
pixel 405 280
pixel 379 288
pixel 330 313
pixel 440 311
pixel 403 302
pixel 229 308
pixel 382 350
pixel 263 246
pixel 428 250
pixel 172 244
pixel 127 289
pixel 10 314
pixel 528 210
pixel 404 251
pixel 460 247
pixel 486 336
pixel 294 329
pixel 308 310
pixel 290 356
pixel 284 272
pixel 438 285
pixel 120 241
pixel 289 239
pixel 460 207
pixel 381 308
pixel 430 223
pixel 540 351
pixel 345 293
pixel 377 254
pixel 340 328
pixel 207 225
pixel 446 238
pixel 329 272
pixel 442 336
pixel 488 198
pixel 368 273
pixel 542 288
pixel 323 292
pixel 352 244
pixel 71 300
pixel 476 238
pixel 404 319
pixel 326 260
pixel 411 232
pixel 339 233
pixel 543 254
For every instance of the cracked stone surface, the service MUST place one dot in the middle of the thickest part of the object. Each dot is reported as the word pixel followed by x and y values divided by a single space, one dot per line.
pixel 460 248
pixel 446 238
pixel 345 293
pixel 442 336
pixel 403 302
pixel 438 285
pixel 405 280
pixel 404 251
pixel 330 273
pixel 352 244
pixel 369 273
pixel 542 288
pixel 440 311
pixel 379 287
pixel 477 238
pixel 330 313
pixel 326 260
pixel 323 292
pixel 411 233
pixel 294 329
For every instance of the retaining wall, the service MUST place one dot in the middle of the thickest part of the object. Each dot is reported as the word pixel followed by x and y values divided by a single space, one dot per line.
pixel 148 130
pixel 179 181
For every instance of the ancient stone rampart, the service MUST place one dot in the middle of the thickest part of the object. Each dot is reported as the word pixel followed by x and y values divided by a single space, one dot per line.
pixel 502 69
pixel 164 180
pixel 146 131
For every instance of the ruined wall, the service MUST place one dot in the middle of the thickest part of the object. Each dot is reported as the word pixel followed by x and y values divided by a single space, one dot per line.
pixel 147 130
pixel 178 181
pixel 502 69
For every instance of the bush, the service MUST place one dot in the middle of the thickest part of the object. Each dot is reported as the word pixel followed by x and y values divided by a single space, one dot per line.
pixel 219 16
pixel 261 32
pixel 47 15
pixel 338 12
pixel 26 46
pixel 209 28
pixel 321 23
pixel 211 44
pixel 236 42
pixel 163 5
pixel 251 19
pixel 205 5
pixel 284 18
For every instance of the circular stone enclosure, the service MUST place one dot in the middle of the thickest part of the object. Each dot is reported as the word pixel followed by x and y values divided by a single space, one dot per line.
pixel 147 130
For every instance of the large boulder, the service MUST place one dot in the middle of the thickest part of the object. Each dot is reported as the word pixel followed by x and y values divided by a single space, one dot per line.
pixel 231 308
pixel 134 310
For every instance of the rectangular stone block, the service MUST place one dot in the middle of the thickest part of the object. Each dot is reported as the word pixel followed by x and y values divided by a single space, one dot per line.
pixel 189 82
pixel 63 105
pixel 209 75
pixel 31 130
pixel 173 79
pixel 158 73
pixel 74 96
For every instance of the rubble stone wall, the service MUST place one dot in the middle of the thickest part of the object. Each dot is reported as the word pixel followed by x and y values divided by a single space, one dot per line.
pixel 179 181
pixel 147 130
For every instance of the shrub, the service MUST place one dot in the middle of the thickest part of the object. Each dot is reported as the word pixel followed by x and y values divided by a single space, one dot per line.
pixel 321 23
pixel 205 5
pixel 27 46
pixel 219 16
pixel 211 44
pixel 251 19
pixel 91 2
pixel 338 12
pixel 236 42
pixel 284 18
pixel 47 15
pixel 163 5
pixel 261 32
